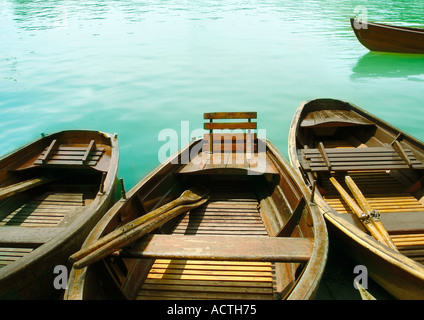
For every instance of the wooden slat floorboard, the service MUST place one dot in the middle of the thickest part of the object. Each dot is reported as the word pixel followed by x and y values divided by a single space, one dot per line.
pixel 231 210
pixel 45 210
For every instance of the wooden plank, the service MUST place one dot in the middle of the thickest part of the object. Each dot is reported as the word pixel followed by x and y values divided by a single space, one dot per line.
pixel 230 125
pixel 350 150
pixel 9 255
pixel 324 156
pixel 333 118
pixel 412 221
pixel 230 115
pixel 77 153
pixel 188 279
pixel 399 149
pixel 22 235
pixel 70 163
pixel 290 225
pixel 42 211
pixel 88 151
pixel 356 152
pixel 23 186
pixel 360 164
pixel 241 248
pixel 230 137
pixel 44 157
pixel 71 155
pixel 213 265
pixel 228 147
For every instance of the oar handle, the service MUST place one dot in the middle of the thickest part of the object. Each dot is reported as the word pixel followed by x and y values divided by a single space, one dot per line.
pixel 366 206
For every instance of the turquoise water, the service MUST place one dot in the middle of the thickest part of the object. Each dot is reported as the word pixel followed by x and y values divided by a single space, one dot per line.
pixel 139 67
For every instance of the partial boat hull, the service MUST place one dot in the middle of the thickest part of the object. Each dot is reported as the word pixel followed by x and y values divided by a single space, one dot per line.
pixel 382 176
pixel 385 38
pixel 53 193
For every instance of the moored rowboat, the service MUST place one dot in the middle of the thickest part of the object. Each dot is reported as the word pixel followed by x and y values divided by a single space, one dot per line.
pixel 369 185
pixel 248 232
pixel 52 193
pixel 387 38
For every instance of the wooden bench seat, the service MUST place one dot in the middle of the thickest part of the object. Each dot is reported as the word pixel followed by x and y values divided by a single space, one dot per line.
pixel 235 163
pixel 13 189
pixel 399 222
pixel 230 248
pixel 357 159
pixel 35 236
pixel 61 154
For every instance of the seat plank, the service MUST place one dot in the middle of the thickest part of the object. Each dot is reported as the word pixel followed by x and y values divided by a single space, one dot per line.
pixel 233 248
pixel 23 186
pixel 412 221
pixel 230 115
pixel 230 125
pixel 70 155
pixel 370 158
pixel 12 235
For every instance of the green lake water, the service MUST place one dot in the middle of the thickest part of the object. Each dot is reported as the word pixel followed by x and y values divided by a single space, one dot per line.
pixel 136 68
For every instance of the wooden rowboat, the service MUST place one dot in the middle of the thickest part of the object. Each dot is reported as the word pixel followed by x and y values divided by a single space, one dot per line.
pixel 369 185
pixel 386 38
pixel 251 234
pixel 52 193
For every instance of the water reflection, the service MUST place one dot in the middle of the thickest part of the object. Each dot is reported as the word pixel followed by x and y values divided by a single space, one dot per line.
pixel 389 65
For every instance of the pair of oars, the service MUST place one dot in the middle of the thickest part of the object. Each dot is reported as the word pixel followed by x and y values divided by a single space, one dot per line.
pixel 364 211
pixel 130 232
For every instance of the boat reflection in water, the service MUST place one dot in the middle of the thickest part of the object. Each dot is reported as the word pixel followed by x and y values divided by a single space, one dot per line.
pixel 374 65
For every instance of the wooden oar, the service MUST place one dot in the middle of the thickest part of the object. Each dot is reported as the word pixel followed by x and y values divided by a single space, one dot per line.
pixel 191 195
pixel 134 234
pixel 365 219
pixel 366 207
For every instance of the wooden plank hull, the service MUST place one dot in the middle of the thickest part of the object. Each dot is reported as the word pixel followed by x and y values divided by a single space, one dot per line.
pixel 41 224
pixel 396 193
pixel 243 215
pixel 385 38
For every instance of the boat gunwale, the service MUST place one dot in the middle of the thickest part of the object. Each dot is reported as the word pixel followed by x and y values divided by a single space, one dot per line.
pixel 386 26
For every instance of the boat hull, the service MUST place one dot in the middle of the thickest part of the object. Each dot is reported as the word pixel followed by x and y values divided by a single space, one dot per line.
pixel 70 207
pixel 402 282
pixel 400 275
pixel 228 186
pixel 384 38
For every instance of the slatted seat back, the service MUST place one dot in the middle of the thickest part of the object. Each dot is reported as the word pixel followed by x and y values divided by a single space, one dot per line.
pixel 57 154
pixel 230 142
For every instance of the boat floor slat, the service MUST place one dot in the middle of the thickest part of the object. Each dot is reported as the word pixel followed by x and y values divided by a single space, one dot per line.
pixel 232 210
pixel 9 255
pixel 46 210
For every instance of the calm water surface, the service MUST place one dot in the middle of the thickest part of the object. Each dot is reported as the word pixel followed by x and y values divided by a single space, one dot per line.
pixel 138 67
